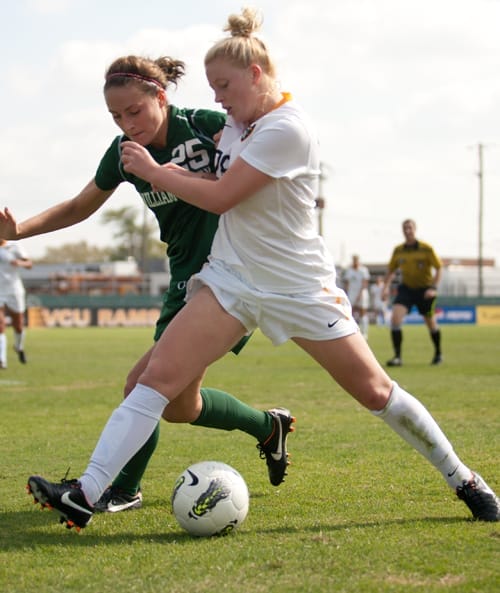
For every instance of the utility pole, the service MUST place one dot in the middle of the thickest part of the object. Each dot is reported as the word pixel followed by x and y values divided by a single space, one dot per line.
pixel 480 221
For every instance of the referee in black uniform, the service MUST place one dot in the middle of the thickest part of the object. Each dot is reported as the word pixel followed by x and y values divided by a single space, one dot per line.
pixel 420 270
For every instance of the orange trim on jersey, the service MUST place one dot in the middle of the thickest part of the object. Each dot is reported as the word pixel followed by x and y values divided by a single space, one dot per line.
pixel 285 97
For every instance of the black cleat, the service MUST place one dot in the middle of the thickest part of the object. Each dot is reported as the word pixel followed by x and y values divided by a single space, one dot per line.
pixel 115 500
pixel 480 499
pixel 20 354
pixel 438 359
pixel 274 448
pixel 67 498
pixel 395 362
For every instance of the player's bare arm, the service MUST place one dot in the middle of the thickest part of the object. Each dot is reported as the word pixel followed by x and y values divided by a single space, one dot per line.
pixel 236 185
pixel 62 215
pixel 431 292
pixel 387 285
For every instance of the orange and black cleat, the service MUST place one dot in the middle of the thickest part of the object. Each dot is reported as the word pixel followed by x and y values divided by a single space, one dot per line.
pixel 66 498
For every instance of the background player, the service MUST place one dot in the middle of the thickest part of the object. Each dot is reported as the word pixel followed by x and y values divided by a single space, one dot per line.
pixel 356 281
pixel 12 297
pixel 377 301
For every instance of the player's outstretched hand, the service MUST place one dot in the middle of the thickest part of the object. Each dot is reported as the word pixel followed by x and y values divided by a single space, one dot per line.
pixel 8 225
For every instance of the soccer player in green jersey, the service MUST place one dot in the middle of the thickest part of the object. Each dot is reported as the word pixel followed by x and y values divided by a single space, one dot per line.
pixel 420 270
pixel 135 94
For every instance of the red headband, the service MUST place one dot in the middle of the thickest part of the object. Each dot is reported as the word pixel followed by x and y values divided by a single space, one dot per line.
pixel 136 76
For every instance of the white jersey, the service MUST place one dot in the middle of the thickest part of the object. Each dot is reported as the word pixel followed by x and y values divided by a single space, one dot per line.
pixel 10 279
pixel 355 278
pixel 271 239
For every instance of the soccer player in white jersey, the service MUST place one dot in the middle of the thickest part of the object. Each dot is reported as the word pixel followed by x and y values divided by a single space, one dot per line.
pixel 356 281
pixel 268 268
pixel 12 297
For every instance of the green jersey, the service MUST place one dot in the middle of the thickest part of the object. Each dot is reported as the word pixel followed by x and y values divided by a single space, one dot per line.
pixel 188 231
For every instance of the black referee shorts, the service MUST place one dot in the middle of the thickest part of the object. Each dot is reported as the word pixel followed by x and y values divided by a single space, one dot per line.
pixel 414 297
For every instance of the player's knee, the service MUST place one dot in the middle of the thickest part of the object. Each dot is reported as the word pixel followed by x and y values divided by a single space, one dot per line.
pixel 130 383
pixel 127 388
pixel 377 395
pixel 180 413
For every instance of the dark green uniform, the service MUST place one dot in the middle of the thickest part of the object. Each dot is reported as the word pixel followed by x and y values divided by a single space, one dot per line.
pixel 187 230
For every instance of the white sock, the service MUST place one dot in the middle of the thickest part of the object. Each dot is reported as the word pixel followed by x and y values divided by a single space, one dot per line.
pixel 363 324
pixel 3 349
pixel 128 428
pixel 411 420
pixel 19 340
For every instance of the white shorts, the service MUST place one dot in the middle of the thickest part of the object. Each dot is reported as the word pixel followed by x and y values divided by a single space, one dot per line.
pixel 15 302
pixel 325 315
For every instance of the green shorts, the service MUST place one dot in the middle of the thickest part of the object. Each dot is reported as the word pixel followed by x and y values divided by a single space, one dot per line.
pixel 173 301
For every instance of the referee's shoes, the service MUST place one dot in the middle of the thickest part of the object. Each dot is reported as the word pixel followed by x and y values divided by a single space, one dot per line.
pixel 395 362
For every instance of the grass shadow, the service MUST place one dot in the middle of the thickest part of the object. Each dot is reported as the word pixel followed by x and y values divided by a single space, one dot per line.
pixel 27 530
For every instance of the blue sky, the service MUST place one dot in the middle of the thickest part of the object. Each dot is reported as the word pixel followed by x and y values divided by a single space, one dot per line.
pixel 402 94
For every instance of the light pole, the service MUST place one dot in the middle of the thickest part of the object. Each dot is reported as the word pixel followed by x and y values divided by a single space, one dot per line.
pixel 480 221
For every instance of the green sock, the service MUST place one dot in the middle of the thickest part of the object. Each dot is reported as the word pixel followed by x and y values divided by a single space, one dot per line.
pixel 222 410
pixel 129 479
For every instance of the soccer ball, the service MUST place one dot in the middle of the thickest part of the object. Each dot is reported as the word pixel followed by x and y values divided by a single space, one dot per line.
pixel 210 498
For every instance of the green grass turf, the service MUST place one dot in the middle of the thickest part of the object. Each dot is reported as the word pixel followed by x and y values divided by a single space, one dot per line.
pixel 359 512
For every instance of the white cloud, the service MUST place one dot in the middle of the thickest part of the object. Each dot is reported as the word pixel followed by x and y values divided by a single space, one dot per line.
pixel 401 92
pixel 50 6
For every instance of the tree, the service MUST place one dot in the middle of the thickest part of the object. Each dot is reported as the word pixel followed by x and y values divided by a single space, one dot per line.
pixel 135 234
pixel 135 237
pixel 80 252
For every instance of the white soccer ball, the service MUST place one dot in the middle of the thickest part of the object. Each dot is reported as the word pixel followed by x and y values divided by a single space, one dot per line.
pixel 210 498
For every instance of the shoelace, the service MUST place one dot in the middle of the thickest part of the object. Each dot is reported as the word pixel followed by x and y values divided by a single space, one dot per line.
pixel 65 479
pixel 262 452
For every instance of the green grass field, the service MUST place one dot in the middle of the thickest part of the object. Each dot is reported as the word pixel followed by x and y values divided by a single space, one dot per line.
pixel 359 512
